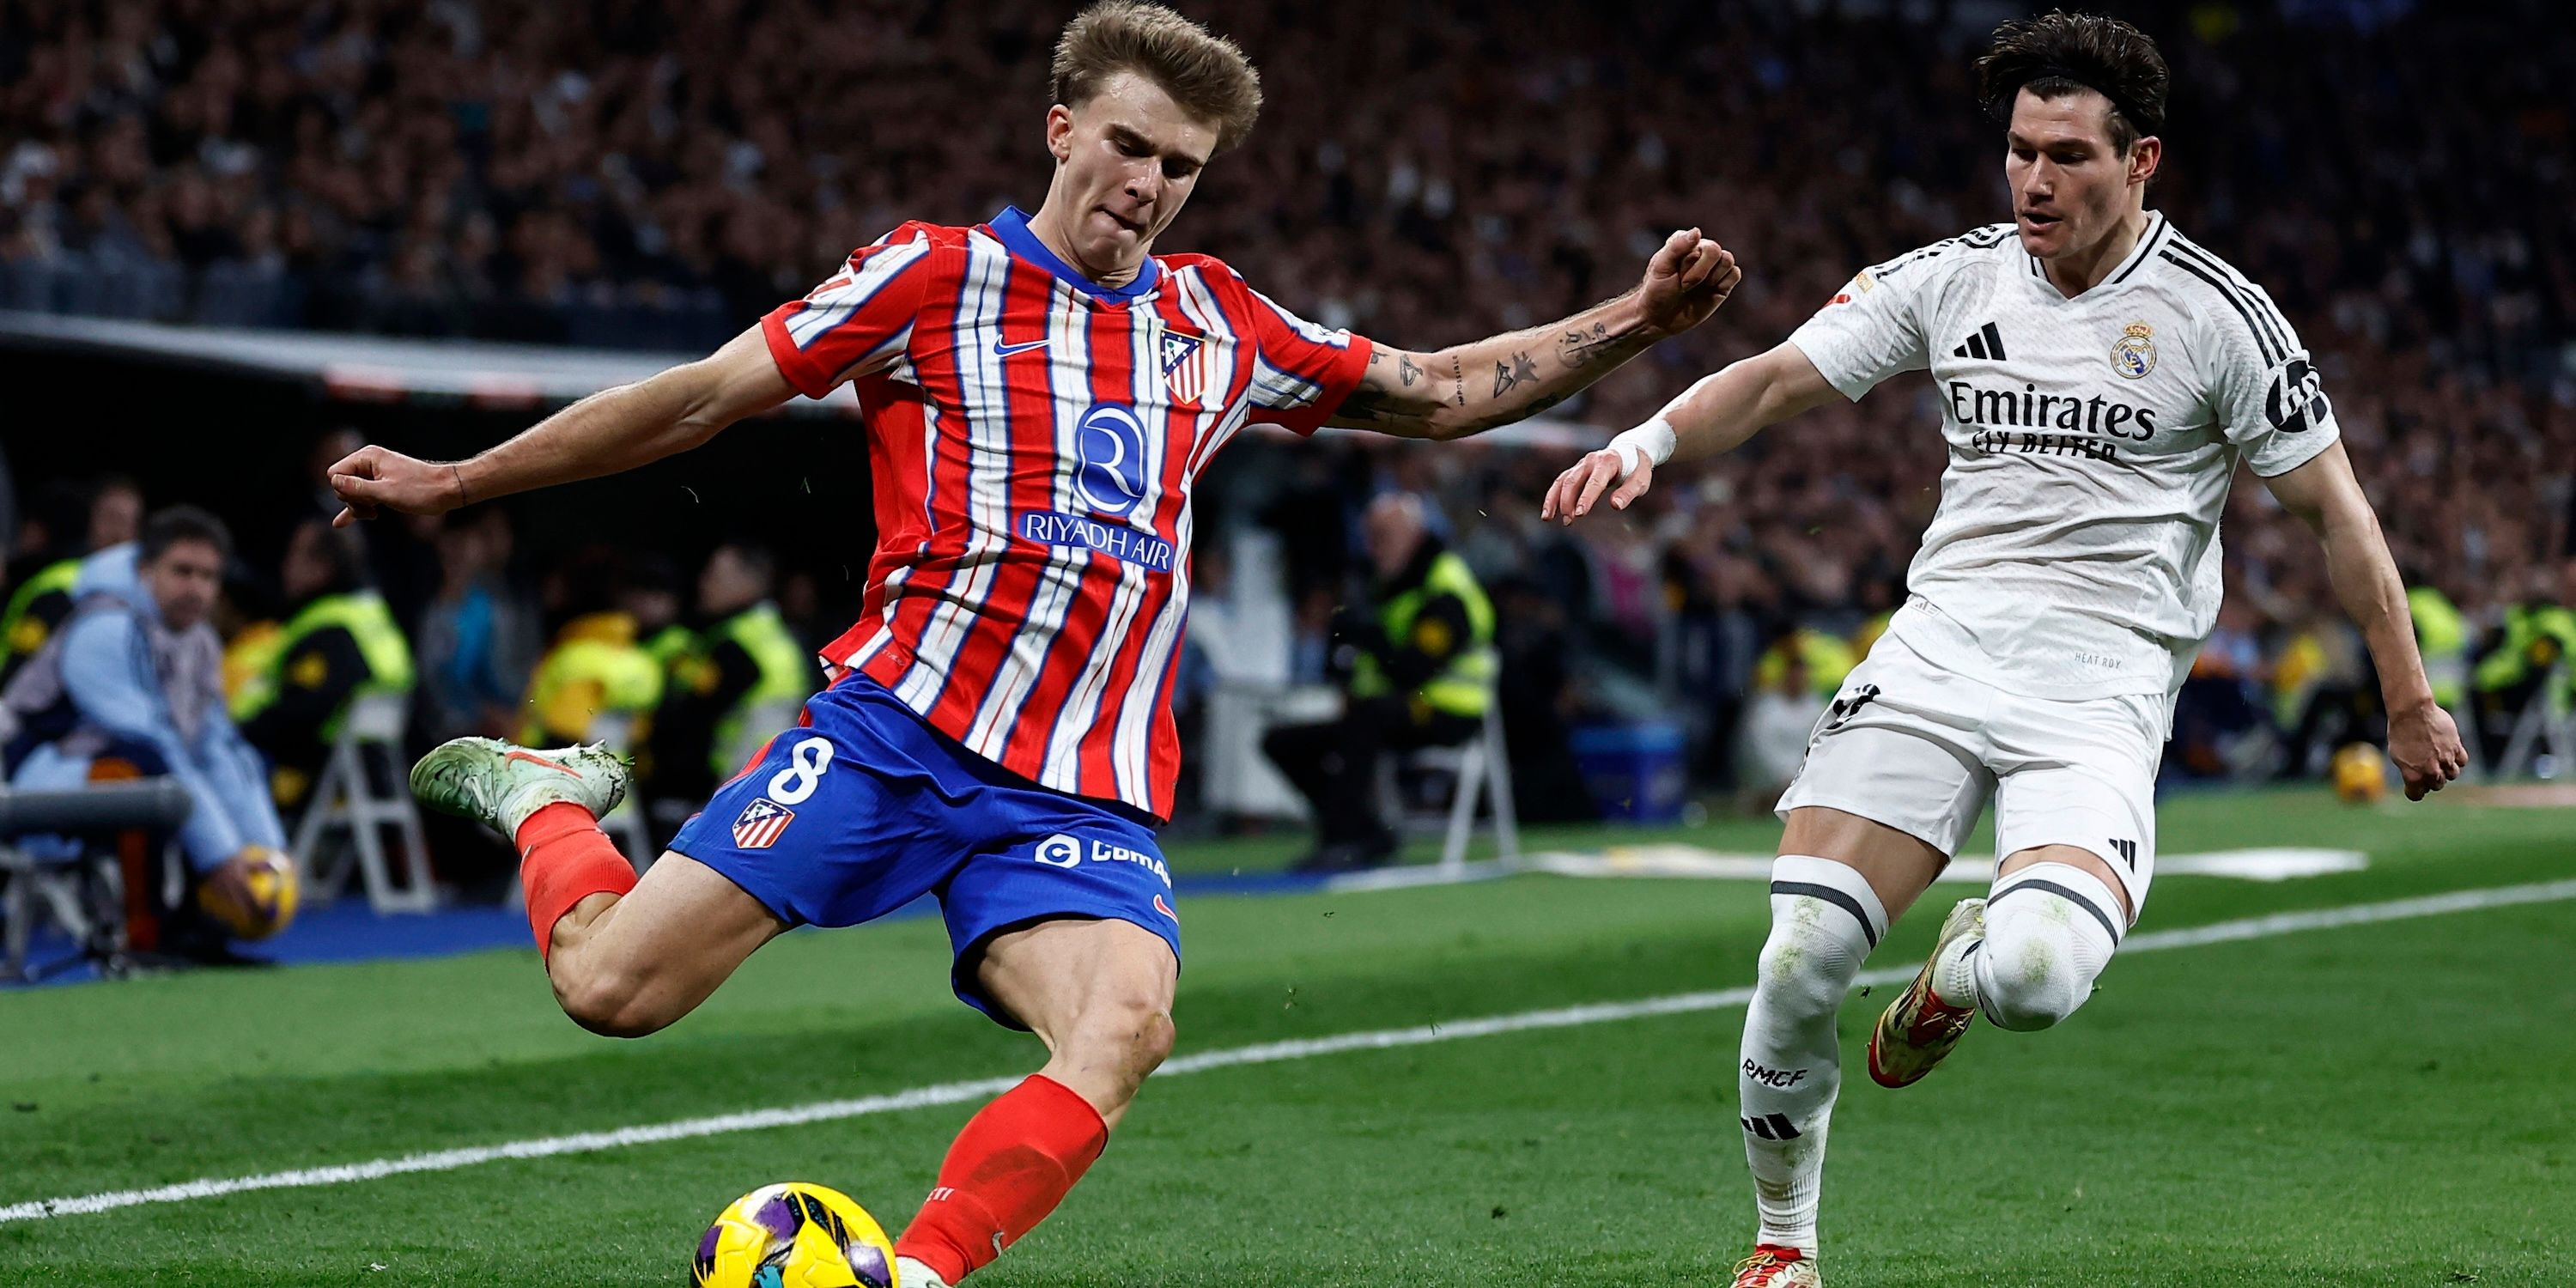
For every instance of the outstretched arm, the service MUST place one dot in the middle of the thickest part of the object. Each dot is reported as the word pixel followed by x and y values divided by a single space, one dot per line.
pixel 1716 415
pixel 610 431
pixel 1474 387
pixel 2324 495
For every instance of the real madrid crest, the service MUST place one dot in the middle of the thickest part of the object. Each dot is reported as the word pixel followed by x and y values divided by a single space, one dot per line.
pixel 2134 354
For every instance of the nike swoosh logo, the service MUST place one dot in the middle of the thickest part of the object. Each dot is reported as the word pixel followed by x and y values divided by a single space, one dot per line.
pixel 1001 350
pixel 542 761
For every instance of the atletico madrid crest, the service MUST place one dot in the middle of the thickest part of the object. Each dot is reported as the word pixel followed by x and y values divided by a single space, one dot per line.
pixel 1185 366
pixel 760 823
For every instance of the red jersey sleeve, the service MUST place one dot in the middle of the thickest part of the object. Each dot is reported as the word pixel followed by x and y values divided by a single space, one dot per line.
pixel 1303 371
pixel 859 320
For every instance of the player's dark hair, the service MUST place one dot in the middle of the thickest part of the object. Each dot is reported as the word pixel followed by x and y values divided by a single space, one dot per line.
pixel 168 527
pixel 2059 53
pixel 1206 74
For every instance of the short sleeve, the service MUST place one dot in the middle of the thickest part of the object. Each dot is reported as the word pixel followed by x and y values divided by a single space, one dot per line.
pixel 1301 371
pixel 2270 401
pixel 858 321
pixel 1873 327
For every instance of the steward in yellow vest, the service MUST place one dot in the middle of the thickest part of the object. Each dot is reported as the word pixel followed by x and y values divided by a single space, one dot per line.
pixel 594 668
pixel 2536 638
pixel 742 680
pixel 340 643
pixel 35 608
pixel 2442 636
pixel 1422 674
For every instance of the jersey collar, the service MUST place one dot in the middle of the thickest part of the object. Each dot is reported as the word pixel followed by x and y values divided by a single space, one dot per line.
pixel 1012 227
pixel 2120 277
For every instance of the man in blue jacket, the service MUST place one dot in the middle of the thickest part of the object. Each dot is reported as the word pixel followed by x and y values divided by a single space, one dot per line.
pixel 132 684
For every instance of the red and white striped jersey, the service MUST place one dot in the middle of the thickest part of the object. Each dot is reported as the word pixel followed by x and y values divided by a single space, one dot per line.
pixel 1035 438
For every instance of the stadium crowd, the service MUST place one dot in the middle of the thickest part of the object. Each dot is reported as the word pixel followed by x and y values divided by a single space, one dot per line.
pixel 638 174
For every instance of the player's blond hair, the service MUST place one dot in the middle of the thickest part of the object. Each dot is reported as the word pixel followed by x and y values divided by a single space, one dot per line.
pixel 1206 74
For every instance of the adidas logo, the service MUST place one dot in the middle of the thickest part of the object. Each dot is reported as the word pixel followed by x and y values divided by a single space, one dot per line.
pixel 1770 1127
pixel 1986 342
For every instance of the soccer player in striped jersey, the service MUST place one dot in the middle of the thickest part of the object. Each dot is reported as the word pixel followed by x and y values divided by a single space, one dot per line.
pixel 2100 378
pixel 1040 394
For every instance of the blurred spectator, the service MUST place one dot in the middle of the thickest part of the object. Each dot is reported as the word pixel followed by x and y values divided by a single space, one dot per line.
pixel 734 683
pixel 1534 696
pixel 477 638
pixel 595 666
pixel 339 643
pixel 1772 741
pixel 109 515
pixel 131 686
pixel 1422 675
pixel 2219 725
pixel 2527 660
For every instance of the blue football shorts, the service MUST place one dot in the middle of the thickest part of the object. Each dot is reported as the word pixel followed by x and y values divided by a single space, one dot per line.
pixel 864 808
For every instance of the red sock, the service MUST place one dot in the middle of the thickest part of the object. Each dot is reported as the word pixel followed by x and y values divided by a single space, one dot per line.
pixel 563 859
pixel 1008 1169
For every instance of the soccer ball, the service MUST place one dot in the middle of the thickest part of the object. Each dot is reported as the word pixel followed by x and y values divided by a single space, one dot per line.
pixel 2359 773
pixel 253 896
pixel 794 1235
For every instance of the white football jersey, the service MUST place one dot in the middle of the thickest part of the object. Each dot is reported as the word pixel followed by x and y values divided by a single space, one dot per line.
pixel 2092 441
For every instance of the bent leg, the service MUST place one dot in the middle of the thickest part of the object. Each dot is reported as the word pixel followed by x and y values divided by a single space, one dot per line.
pixel 1099 994
pixel 631 964
pixel 2077 828
pixel 2052 923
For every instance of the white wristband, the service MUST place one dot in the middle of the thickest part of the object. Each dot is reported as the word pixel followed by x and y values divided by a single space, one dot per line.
pixel 1652 442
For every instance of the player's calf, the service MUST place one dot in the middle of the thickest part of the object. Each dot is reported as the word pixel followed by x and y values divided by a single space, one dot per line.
pixel 1824 921
pixel 1099 992
pixel 626 958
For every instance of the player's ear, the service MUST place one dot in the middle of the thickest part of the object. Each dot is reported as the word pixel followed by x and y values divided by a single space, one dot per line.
pixel 2144 156
pixel 1060 132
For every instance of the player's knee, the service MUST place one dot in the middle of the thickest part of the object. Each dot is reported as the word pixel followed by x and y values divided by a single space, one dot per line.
pixel 2033 982
pixel 1130 1031
pixel 2038 964
pixel 611 1004
pixel 1802 975
pixel 2049 932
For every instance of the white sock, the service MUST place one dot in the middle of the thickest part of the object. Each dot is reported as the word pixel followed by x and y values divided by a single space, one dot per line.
pixel 913 1274
pixel 2050 929
pixel 1824 921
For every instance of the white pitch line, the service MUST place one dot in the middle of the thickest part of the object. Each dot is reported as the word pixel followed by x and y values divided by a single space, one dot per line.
pixel 949 1093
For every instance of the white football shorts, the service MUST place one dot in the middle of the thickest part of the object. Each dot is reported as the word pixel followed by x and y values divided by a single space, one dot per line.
pixel 1920 750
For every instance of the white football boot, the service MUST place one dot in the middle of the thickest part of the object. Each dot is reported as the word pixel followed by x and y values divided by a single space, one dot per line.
pixel 501 784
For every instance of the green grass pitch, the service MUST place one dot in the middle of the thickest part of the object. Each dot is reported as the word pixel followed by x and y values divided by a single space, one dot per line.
pixel 2383 1104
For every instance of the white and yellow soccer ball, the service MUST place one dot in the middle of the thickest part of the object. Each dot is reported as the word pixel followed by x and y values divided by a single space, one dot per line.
pixel 794 1235
pixel 2359 773
pixel 253 895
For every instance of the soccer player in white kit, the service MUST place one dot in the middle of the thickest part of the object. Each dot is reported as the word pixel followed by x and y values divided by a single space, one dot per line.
pixel 2100 376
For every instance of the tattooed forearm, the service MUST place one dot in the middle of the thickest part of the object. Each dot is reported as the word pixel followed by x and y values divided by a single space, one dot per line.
pixel 1404 367
pixel 1509 376
pixel 1583 346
